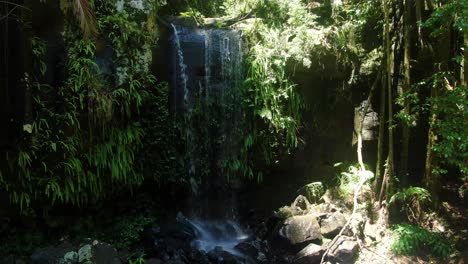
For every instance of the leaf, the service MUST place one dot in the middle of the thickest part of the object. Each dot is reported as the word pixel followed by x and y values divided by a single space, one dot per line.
pixel 265 113
pixel 54 146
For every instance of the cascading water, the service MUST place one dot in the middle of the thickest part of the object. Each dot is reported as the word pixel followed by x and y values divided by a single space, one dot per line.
pixel 207 71
pixel 218 234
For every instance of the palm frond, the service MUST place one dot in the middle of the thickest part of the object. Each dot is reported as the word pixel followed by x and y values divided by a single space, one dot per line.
pixel 85 16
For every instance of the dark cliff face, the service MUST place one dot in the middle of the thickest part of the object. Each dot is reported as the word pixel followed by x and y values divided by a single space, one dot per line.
pixel 16 58
pixel 13 67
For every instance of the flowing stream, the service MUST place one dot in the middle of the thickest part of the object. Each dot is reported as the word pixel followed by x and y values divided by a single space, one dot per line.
pixel 218 234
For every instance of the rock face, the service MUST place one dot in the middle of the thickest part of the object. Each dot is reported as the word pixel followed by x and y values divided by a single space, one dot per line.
pixel 309 255
pixel 298 230
pixel 331 225
pixel 344 250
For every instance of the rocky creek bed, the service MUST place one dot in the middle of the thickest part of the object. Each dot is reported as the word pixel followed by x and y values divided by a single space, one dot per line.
pixel 299 233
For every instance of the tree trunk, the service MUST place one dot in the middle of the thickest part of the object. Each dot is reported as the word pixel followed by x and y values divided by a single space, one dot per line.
pixel 432 180
pixel 464 63
pixel 419 8
pixel 406 88
pixel 378 167
pixel 388 177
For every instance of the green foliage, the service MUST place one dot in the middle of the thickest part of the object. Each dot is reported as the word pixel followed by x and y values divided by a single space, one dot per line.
pixel 127 230
pixel 208 8
pixel 412 203
pixel 350 179
pixel 450 12
pixel 138 260
pixel 20 242
pixel 451 108
pixel 158 157
pixel 285 33
pixel 85 134
pixel 409 194
pixel 413 240
pixel 452 128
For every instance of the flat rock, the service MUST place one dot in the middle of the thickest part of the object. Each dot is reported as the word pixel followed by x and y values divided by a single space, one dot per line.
pixel 309 255
pixel 344 250
pixel 331 225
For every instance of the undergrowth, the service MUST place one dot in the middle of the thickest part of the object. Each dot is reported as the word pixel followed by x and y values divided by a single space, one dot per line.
pixel 414 240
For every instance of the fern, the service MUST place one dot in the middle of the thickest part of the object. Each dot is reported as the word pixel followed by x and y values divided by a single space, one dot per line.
pixel 412 240
pixel 412 202
pixel 411 193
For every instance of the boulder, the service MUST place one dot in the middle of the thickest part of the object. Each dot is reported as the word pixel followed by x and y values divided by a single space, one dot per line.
pixel 332 224
pixel 89 253
pixel 309 255
pixel 69 258
pixel 85 254
pixel 298 230
pixel 51 255
pixel 247 249
pixel 301 204
pixel 344 250
pixel 313 191
pixel 105 254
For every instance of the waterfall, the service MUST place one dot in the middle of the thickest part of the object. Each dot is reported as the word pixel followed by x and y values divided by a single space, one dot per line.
pixel 207 71
pixel 182 74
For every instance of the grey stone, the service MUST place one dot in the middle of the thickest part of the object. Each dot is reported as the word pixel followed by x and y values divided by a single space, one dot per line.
pixel 85 254
pixel 313 191
pixel 247 249
pixel 51 255
pixel 331 225
pixel 300 229
pixel 105 254
pixel 69 258
pixel 309 255
pixel 301 203
pixel 344 250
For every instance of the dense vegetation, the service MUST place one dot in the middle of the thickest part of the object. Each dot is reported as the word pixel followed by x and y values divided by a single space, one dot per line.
pixel 100 128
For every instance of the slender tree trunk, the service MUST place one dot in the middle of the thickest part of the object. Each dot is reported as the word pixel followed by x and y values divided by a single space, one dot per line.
pixel 386 183
pixel 406 88
pixel 389 92
pixel 380 141
pixel 419 7
pixel 432 180
pixel 464 63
